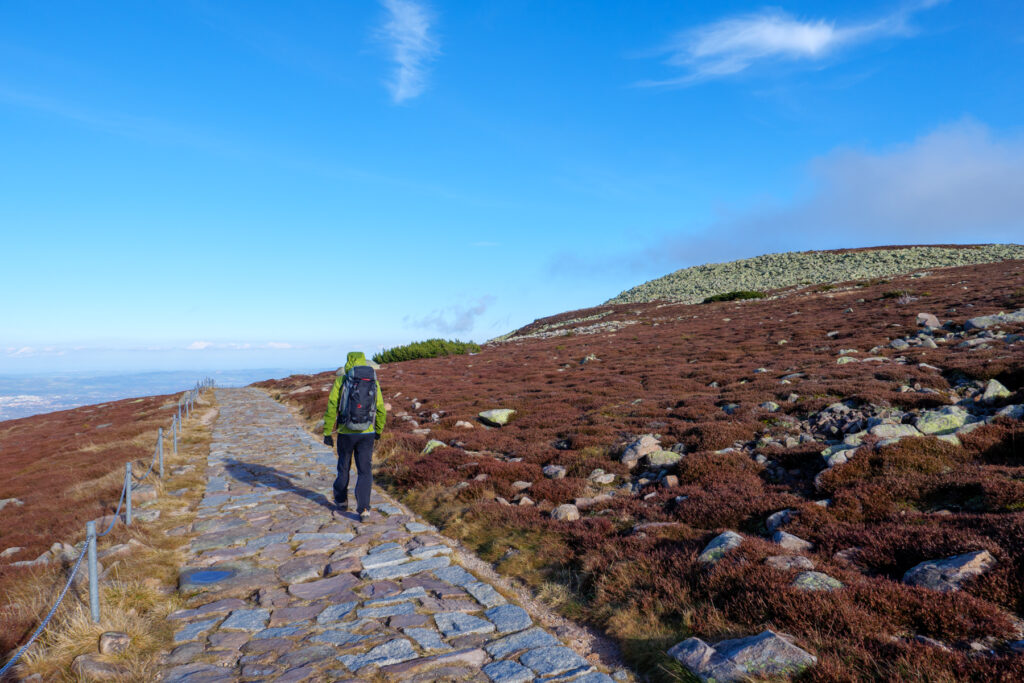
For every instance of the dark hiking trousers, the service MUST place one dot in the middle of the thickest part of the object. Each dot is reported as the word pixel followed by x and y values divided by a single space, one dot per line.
pixel 362 446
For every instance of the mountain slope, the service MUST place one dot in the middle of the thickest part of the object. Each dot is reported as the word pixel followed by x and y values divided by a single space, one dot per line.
pixel 775 271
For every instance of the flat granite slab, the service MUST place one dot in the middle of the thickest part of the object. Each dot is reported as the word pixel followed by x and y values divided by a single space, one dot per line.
pixel 280 587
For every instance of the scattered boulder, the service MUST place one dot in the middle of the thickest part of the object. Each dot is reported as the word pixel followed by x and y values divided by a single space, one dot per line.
pixel 947 575
pixel 1014 412
pixel 766 654
pixel 770 406
pixel 662 458
pixel 521 485
pixel 816 581
pixel 114 642
pixel 670 481
pixel 90 667
pixel 567 512
pixel 943 421
pixel 986 321
pixel 719 546
pixel 790 542
pixel 786 562
pixel 462 424
pixel 893 431
pixel 525 501
pixel 554 471
pixel 994 391
pixel 431 446
pixel 928 320
pixel 13 502
pixel 638 449
pixel 601 477
pixel 777 519
pixel 496 417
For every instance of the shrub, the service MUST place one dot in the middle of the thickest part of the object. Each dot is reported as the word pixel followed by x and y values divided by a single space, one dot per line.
pixel 431 348
pixel 734 296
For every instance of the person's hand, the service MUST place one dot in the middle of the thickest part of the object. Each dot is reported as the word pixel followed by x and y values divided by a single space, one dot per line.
pixel 328 440
pixel 376 436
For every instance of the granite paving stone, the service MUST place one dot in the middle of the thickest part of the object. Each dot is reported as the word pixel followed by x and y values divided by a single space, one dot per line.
pixel 551 661
pixel 509 618
pixel 507 671
pixel 459 624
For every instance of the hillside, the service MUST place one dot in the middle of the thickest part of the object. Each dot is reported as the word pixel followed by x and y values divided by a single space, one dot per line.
pixel 58 471
pixel 776 271
pixel 840 443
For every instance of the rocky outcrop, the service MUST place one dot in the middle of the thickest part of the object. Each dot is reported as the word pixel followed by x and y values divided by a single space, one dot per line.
pixel 949 574
pixel 768 654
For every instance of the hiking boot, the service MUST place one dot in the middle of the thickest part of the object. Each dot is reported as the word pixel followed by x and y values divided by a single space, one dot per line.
pixel 364 516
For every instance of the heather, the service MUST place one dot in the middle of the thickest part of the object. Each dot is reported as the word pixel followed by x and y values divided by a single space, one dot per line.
pixel 749 393
pixel 66 468
pixel 431 348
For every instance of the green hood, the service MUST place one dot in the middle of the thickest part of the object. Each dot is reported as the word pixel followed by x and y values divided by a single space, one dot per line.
pixel 355 358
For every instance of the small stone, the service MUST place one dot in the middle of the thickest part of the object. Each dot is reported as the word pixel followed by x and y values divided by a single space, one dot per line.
pixel 770 406
pixel 432 446
pixel 787 562
pixel 566 512
pixel 114 642
pixel 719 546
pixel 554 472
pixel 816 581
pixel 670 481
pixel 777 519
pixel 791 542
pixel 638 449
pixel 462 424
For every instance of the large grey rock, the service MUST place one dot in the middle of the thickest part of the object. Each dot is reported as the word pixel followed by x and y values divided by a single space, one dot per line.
pixel 943 421
pixel 766 654
pixel 638 449
pixel 893 431
pixel 1014 412
pixel 661 458
pixel 114 642
pixel 949 574
pixel 928 320
pixel 994 391
pixel 719 546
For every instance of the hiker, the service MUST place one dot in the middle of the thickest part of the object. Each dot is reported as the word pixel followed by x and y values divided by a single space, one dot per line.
pixel 356 408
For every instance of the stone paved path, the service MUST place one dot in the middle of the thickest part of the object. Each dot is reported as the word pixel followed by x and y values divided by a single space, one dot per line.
pixel 281 589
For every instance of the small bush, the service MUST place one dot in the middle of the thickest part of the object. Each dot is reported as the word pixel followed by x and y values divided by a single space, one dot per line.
pixel 734 296
pixel 431 348
pixel 895 294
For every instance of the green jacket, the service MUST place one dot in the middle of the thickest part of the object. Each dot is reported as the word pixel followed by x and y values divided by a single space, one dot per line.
pixel 354 358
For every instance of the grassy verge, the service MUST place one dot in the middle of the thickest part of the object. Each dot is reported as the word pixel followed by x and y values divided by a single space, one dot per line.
pixel 137 586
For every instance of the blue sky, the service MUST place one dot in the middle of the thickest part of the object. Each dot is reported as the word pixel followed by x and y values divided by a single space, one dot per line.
pixel 220 185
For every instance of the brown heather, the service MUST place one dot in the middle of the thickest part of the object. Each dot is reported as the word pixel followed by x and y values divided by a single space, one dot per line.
pixel 646 589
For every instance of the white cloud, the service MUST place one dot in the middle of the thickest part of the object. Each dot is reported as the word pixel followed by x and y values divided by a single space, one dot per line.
pixel 732 45
pixel 408 33
pixel 278 345
pixel 959 184
pixel 23 351
pixel 453 318
pixel 199 345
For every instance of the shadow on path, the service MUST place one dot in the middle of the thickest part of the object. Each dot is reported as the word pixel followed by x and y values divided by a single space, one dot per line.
pixel 261 475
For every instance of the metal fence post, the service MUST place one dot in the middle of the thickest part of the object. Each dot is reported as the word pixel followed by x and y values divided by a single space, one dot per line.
pixel 94 588
pixel 179 410
pixel 128 494
pixel 160 449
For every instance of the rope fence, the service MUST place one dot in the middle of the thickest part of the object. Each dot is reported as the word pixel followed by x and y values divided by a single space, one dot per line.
pixel 187 403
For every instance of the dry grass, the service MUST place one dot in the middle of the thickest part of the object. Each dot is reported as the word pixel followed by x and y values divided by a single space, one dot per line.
pixel 137 591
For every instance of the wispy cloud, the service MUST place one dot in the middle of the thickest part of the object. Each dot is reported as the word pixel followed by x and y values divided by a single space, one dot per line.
pixel 734 44
pixel 453 318
pixel 957 184
pixel 239 346
pixel 407 32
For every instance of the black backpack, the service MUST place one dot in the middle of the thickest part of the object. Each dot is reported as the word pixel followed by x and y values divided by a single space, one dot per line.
pixel 357 407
